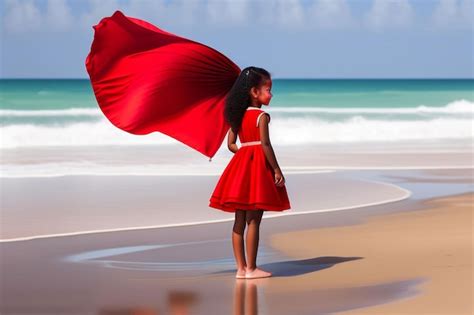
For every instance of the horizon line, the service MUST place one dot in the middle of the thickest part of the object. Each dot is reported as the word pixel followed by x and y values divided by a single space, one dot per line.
pixel 273 78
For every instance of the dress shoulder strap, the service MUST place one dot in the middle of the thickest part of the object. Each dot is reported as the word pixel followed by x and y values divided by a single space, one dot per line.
pixel 260 115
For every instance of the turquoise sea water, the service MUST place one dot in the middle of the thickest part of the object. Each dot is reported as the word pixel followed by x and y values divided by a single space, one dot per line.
pixel 39 115
pixel 40 94
pixel 305 110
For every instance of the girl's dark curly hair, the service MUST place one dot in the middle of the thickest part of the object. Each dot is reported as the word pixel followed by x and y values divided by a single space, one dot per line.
pixel 238 98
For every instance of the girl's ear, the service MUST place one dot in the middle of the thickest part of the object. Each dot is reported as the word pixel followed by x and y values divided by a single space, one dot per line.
pixel 253 91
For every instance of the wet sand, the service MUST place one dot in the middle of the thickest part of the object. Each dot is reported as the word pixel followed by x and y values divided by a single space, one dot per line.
pixel 434 244
pixel 406 256
pixel 90 204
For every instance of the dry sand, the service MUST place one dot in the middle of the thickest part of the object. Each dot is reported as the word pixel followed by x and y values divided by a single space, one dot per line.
pixel 435 243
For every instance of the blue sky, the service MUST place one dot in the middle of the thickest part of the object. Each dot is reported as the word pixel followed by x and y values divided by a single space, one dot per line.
pixel 290 38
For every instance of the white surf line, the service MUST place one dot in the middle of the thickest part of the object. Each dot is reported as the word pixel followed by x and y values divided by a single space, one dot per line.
pixel 408 167
pixel 310 171
pixel 427 152
pixel 405 196
pixel 287 170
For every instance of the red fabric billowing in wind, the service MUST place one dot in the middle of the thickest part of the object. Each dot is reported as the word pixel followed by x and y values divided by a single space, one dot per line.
pixel 146 80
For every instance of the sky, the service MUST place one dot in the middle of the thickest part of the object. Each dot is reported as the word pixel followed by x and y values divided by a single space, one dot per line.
pixel 289 38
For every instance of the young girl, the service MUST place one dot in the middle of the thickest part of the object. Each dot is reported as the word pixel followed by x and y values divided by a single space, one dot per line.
pixel 252 182
pixel 139 72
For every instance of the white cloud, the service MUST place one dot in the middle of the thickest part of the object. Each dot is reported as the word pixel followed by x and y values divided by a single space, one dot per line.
pixel 96 11
pixel 389 14
pixel 28 16
pixel 144 10
pixel 452 14
pixel 21 16
pixel 290 14
pixel 24 16
pixel 286 14
pixel 58 15
pixel 283 14
pixel 224 12
pixel 331 14
pixel 158 12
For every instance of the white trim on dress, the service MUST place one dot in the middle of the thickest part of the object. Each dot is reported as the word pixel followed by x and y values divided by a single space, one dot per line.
pixel 258 118
pixel 244 144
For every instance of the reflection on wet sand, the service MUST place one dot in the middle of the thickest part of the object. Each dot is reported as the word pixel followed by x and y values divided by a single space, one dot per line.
pixel 246 299
pixel 179 303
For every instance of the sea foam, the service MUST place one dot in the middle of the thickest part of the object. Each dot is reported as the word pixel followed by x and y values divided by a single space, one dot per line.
pixel 289 126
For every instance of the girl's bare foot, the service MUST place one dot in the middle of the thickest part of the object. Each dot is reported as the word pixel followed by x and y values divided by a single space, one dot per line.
pixel 256 273
pixel 240 274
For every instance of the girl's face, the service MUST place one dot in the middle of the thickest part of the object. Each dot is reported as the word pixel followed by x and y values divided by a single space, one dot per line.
pixel 263 94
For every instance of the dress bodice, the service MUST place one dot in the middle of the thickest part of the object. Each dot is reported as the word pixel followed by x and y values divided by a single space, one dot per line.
pixel 248 181
pixel 249 129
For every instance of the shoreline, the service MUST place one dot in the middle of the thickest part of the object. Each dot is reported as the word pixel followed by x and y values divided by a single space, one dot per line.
pixel 267 217
pixel 383 193
pixel 386 187
pixel 286 169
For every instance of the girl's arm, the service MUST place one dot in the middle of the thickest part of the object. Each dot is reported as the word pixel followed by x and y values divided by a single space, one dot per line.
pixel 231 139
pixel 266 145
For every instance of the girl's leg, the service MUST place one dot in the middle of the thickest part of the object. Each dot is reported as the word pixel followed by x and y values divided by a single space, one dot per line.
pixel 238 239
pixel 253 218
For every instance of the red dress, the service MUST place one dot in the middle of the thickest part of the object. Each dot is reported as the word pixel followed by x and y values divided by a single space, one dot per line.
pixel 248 181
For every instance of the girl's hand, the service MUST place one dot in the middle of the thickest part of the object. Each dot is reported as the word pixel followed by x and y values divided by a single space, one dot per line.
pixel 279 178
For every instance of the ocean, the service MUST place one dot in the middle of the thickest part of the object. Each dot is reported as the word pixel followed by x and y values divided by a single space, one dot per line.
pixel 40 117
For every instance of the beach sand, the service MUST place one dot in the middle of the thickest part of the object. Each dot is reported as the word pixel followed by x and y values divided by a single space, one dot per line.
pixel 367 247
pixel 434 244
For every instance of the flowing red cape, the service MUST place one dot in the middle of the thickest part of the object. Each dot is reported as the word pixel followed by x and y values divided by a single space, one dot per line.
pixel 146 80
